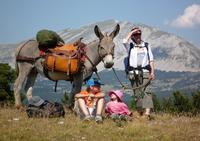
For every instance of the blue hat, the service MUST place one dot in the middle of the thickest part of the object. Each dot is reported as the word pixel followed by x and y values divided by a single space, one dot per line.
pixel 93 82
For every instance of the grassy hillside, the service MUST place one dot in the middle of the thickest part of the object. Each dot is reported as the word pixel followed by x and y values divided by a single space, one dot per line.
pixel 14 125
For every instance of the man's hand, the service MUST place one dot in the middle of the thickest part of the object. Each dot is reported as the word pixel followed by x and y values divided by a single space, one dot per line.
pixel 152 76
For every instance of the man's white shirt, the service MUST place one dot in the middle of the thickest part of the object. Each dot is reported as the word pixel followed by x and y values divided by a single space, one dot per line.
pixel 138 54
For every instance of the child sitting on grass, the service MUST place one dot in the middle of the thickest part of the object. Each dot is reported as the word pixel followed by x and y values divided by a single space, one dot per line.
pixel 116 108
pixel 90 101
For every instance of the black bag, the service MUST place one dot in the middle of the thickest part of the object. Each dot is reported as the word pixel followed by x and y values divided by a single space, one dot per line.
pixel 47 109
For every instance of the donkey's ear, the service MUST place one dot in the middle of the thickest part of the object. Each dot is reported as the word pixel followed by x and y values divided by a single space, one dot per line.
pixel 98 32
pixel 115 32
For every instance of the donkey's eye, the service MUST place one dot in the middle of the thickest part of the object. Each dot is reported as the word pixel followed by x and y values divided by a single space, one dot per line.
pixel 103 51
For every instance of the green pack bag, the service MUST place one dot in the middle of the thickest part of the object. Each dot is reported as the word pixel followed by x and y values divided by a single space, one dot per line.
pixel 48 38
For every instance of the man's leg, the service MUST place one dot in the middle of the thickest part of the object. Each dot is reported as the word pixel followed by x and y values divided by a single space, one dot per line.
pixel 147 102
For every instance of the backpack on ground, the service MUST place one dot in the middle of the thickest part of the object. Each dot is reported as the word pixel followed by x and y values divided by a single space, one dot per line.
pixel 47 110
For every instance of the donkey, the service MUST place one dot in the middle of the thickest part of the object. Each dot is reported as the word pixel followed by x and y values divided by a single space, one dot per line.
pixel 96 51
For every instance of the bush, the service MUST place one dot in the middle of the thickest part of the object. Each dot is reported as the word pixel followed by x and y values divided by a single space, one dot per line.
pixel 168 105
pixel 156 103
pixel 196 102
pixel 7 77
pixel 182 103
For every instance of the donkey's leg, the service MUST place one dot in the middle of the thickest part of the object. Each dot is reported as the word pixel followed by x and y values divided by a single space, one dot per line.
pixel 76 88
pixel 24 70
pixel 31 79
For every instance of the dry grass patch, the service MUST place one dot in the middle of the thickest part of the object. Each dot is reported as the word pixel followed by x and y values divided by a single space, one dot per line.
pixel 15 125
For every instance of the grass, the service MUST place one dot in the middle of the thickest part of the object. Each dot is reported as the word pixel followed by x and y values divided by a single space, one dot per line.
pixel 15 125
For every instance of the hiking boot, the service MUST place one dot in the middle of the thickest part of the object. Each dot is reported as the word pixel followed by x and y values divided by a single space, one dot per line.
pixel 98 119
pixel 123 117
pixel 146 117
pixel 87 118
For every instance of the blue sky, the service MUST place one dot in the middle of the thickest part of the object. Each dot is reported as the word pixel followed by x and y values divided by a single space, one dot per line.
pixel 21 19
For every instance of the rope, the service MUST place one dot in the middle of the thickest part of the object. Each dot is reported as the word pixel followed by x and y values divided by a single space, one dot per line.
pixel 130 88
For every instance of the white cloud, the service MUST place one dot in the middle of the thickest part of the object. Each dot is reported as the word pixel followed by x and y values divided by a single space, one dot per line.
pixel 190 17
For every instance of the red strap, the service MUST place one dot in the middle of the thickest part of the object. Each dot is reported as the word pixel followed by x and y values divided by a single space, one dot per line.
pixel 42 53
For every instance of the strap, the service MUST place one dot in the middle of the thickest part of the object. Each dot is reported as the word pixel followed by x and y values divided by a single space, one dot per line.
pixel 31 60
pixel 56 86
pixel 147 47
pixel 129 52
pixel 94 68
pixel 20 58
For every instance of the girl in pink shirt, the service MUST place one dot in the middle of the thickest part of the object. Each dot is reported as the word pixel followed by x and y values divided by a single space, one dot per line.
pixel 116 106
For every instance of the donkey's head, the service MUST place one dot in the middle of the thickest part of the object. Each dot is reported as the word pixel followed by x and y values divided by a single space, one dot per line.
pixel 106 46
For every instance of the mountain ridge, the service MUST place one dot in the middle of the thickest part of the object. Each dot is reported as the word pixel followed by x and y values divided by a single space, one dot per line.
pixel 171 53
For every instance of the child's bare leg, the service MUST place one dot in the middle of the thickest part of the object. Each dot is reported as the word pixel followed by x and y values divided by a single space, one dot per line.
pixel 100 104
pixel 83 107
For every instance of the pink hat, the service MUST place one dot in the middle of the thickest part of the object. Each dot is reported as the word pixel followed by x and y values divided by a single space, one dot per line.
pixel 118 93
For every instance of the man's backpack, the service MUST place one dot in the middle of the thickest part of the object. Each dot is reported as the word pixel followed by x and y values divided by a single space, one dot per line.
pixel 126 59
pixel 47 109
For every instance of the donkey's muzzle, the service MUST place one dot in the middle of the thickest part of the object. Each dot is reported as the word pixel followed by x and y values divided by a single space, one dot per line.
pixel 108 61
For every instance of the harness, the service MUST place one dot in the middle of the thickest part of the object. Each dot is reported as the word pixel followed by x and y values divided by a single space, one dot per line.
pixel 127 62
pixel 94 68
pixel 30 60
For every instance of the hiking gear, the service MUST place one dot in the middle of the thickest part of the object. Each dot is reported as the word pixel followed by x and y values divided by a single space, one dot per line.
pixel 93 82
pixel 118 93
pixel 20 58
pixel 36 101
pixel 66 58
pixel 127 59
pixel 87 118
pixel 48 39
pixel 116 117
pixel 47 109
pixel 125 87
pixel 98 119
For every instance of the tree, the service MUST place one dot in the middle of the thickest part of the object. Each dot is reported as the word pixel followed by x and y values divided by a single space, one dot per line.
pixel 182 103
pixel 156 103
pixel 7 77
pixel 133 103
pixel 168 105
pixel 196 102
pixel 65 98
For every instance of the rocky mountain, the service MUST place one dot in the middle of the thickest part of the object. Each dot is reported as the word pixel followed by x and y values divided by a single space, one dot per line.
pixel 171 53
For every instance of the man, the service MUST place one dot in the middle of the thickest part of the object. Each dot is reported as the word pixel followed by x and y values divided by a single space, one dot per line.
pixel 140 69
pixel 91 101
